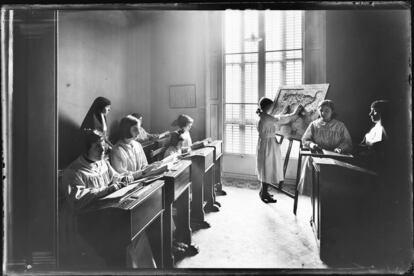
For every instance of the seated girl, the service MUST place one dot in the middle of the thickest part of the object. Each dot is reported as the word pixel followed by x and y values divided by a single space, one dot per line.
pixel 370 153
pixel 127 154
pixel 184 124
pixel 326 133
pixel 86 179
pixel 143 135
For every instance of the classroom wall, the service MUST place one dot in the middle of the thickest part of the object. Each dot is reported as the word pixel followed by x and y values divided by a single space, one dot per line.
pixel 101 53
pixel 177 58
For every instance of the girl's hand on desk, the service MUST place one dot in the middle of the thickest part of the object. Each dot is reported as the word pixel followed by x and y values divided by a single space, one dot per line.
pixel 338 150
pixel 127 179
pixel 314 146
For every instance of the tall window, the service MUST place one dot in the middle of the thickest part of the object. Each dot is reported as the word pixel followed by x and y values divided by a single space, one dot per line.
pixel 263 50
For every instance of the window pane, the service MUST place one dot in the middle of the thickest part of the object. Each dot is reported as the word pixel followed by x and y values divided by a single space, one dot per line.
pixel 250 139
pixel 294 72
pixel 274 74
pixel 293 29
pixel 250 113
pixel 233 83
pixel 274 30
pixel 232 31
pixel 251 29
pixel 232 113
pixel 250 83
pixel 232 138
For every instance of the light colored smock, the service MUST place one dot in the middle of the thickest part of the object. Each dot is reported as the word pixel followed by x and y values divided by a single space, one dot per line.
pixel 128 157
pixel 328 135
pixel 82 183
pixel 269 164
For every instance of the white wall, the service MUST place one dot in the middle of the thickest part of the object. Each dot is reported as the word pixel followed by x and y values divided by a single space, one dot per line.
pixel 101 53
pixel 178 57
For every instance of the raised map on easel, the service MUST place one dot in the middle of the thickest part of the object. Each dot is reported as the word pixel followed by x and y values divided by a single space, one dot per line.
pixel 288 97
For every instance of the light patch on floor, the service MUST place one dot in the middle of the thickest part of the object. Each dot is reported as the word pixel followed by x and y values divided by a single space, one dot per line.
pixel 248 233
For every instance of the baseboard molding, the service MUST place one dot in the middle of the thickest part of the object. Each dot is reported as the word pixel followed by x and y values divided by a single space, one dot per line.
pixel 239 176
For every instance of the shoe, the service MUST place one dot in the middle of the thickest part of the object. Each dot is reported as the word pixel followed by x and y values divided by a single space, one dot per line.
pixel 181 245
pixel 217 203
pixel 197 225
pixel 211 208
pixel 267 198
pixel 192 250
pixel 221 193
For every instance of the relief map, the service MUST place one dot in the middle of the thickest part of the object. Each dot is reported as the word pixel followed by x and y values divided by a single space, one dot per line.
pixel 286 100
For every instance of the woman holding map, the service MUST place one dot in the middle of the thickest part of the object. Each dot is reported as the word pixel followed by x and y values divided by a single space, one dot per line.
pixel 269 165
pixel 325 133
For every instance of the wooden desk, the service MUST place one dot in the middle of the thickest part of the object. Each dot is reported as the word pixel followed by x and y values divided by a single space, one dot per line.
pixel 177 190
pixel 218 153
pixel 303 153
pixel 202 183
pixel 110 226
pixel 345 201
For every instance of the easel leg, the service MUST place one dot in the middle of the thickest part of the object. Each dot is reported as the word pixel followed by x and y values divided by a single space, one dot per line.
pixel 295 204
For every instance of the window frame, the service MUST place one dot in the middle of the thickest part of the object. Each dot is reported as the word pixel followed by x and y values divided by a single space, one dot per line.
pixel 261 71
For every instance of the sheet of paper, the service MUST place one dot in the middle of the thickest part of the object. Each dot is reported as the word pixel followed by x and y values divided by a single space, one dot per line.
pixel 332 153
pixel 121 192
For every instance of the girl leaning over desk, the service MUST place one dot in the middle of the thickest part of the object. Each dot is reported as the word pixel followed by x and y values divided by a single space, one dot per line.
pixel 184 124
pixel 327 133
pixel 269 164
pixel 86 179
pixel 127 156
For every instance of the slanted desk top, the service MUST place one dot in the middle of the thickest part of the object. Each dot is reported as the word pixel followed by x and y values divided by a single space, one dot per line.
pixel 218 146
pixel 317 161
pixel 203 155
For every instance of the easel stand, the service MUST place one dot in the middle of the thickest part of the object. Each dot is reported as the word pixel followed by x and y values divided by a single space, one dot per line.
pixel 279 187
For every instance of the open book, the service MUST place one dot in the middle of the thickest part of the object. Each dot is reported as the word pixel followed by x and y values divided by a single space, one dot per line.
pixel 335 154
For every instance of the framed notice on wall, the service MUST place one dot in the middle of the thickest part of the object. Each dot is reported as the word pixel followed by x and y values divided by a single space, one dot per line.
pixel 182 96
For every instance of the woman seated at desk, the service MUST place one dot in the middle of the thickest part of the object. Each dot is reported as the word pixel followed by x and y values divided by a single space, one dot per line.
pixel 128 156
pixel 143 135
pixel 326 133
pixel 184 124
pixel 85 180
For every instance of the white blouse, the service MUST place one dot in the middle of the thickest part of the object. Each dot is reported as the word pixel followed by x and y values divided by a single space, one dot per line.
pixel 128 157
pixel 375 135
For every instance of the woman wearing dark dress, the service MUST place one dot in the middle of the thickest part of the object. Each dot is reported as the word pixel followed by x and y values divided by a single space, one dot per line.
pixel 96 118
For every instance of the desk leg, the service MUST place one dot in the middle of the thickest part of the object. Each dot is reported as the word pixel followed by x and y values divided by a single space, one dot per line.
pixel 168 234
pixel 209 191
pixel 183 231
pixel 217 175
pixel 197 202
pixel 295 203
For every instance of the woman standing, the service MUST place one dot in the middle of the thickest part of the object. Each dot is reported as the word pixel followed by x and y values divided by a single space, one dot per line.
pixel 269 164
pixel 96 118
